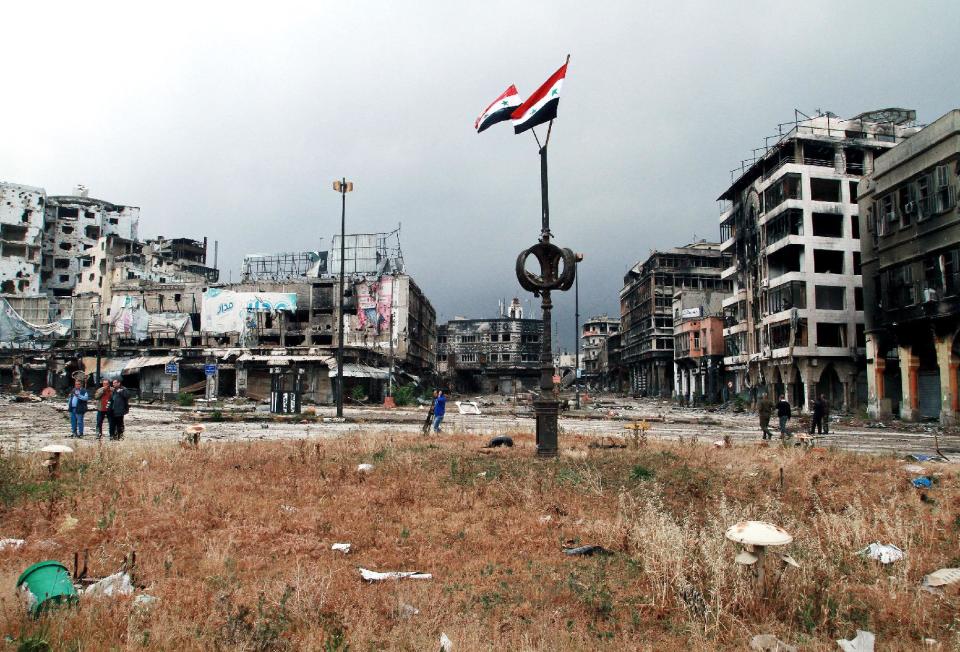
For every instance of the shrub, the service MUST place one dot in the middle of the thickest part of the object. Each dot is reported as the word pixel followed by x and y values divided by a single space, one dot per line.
pixel 358 394
pixel 404 394
pixel 185 399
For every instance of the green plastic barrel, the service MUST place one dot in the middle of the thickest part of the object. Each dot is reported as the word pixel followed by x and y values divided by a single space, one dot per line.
pixel 50 584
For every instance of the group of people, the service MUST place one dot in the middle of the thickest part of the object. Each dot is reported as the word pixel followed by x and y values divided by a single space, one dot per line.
pixel 112 403
pixel 820 421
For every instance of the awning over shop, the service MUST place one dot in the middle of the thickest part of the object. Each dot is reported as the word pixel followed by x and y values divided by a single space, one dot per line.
pixel 110 368
pixel 285 359
pixel 355 370
pixel 136 364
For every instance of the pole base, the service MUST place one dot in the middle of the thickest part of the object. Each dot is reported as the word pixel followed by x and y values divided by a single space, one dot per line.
pixel 547 412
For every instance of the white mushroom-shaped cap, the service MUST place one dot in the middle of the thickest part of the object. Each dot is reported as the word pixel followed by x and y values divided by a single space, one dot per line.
pixel 758 533
pixel 746 558
pixel 56 448
pixel 195 428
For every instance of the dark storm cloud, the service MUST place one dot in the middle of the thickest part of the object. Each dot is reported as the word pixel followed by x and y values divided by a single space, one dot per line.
pixel 231 123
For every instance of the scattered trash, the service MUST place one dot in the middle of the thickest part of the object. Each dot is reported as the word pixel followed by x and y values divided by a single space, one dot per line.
pixel 770 643
pixel 587 551
pixel 468 407
pixel 884 553
pixel 407 610
pixel 364 468
pixel 920 457
pixel 68 524
pixel 374 576
pixel 862 642
pixel 48 392
pixel 502 440
pixel 49 579
pixel 110 586
pixel 914 469
pixel 789 561
pixel 718 443
pixel 943 577
pixel 289 509
pixel 341 547
pixel 446 645
pixel 545 519
pixel 145 600
pixel 264 426
pixel 923 482
pixel 11 543
pixel 334 419
pixel 482 474
pixel 931 642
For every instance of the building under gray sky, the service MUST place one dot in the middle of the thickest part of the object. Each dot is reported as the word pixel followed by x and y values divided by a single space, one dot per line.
pixel 231 122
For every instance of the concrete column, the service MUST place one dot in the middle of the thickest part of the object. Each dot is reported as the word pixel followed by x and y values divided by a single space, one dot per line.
pixel 809 394
pixel 788 392
pixel 241 379
pixel 948 364
pixel 909 372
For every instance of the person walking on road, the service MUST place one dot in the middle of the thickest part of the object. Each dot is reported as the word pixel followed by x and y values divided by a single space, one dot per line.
pixel 118 407
pixel 77 406
pixel 439 409
pixel 102 398
pixel 826 414
pixel 819 408
pixel 765 411
pixel 783 412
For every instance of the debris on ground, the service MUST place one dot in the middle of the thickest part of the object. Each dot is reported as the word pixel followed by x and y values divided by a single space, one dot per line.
pixel 789 561
pixel 144 600
pixel 933 582
pixel 11 543
pixel 341 547
pixel 110 586
pixel 468 407
pixel 914 469
pixel 364 468
pixel 46 584
pixel 446 645
pixel 374 576
pixel 885 553
pixel 862 642
pixel 26 397
pixel 587 551
pixel 770 643
pixel 67 524
pixel 502 440
pixel 288 509
pixel 923 482
pixel 407 610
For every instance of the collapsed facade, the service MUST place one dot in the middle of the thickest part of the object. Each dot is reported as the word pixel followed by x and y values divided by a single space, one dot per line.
pixel 698 371
pixel 911 275
pixel 499 355
pixel 794 321
pixel 102 302
pixel 646 303
pixel 593 333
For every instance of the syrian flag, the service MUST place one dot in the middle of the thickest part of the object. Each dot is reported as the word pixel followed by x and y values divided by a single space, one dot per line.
pixel 541 106
pixel 499 110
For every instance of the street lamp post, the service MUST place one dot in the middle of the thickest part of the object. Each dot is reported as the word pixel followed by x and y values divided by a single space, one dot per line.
pixel 576 319
pixel 343 187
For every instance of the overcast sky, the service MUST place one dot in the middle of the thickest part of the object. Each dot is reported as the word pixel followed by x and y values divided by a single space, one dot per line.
pixel 231 122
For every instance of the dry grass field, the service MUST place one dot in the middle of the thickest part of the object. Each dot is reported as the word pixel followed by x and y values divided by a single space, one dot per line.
pixel 234 540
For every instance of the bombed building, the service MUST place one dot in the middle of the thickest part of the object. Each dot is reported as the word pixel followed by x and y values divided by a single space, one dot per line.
pixel 794 322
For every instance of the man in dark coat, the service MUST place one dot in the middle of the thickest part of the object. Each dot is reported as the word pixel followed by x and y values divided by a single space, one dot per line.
pixel 783 413
pixel 118 407
pixel 819 409
pixel 765 411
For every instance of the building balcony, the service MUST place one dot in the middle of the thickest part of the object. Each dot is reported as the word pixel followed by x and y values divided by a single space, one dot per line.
pixel 735 298
pixel 728 272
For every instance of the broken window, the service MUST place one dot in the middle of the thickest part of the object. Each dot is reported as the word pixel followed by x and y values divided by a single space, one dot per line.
pixel 61 263
pixel 780 334
pixel 90 215
pixel 825 189
pixel 829 297
pixel 787 296
pixel 815 153
pixel 897 287
pixel 468 339
pixel 858 298
pixel 64 278
pixel 942 190
pixel 66 229
pixel 13 232
pixel 786 187
pixel 923 198
pixel 826 261
pixel 854 189
pixel 65 212
pixel 468 357
pixel 857 268
pixel 829 334
pixel 827 225
pixel 786 260
pixel 788 223
pixel 7 287
pixel 92 231
pixel 861 336
pixel 854 166
pixel 855 226
pixel 66 246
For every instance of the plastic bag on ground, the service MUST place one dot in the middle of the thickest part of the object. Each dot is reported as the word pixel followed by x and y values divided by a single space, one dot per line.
pixel 862 642
pixel 110 586
pixel 885 553
pixel 374 576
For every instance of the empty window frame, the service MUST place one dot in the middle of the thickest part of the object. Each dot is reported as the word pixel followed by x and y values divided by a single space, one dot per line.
pixel 830 334
pixel 824 189
pixel 786 187
pixel 829 297
pixel 787 296
pixel 827 225
pixel 826 261
pixel 788 223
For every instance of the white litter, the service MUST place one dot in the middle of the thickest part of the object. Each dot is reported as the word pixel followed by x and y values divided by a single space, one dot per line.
pixel 862 642
pixel 914 469
pixel 289 509
pixel 11 543
pixel 482 474
pixel 364 468
pixel 408 610
pixel 942 577
pixel 342 547
pixel 468 407
pixel 770 643
pixel 885 553
pixel 110 586
pixel 374 576
pixel 144 600
pixel 446 645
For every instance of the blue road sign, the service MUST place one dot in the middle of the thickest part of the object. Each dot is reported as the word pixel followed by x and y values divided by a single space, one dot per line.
pixel 172 368
pixel 210 369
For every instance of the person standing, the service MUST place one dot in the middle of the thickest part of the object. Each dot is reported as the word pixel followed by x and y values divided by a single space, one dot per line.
pixel 816 423
pixel 77 406
pixel 118 407
pixel 765 411
pixel 783 412
pixel 439 409
pixel 102 398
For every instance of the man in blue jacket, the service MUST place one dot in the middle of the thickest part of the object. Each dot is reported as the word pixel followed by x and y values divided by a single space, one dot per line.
pixel 439 409
pixel 77 406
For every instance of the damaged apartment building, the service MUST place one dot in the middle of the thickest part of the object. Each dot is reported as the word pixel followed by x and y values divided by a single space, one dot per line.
pixel 794 323
pixel 499 355
pixel 646 310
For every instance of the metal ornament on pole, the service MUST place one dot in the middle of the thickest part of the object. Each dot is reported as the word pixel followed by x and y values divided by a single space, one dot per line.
pixel 576 327
pixel 343 187
pixel 552 276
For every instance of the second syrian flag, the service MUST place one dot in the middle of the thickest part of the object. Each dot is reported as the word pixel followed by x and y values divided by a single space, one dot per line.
pixel 542 104
pixel 499 110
